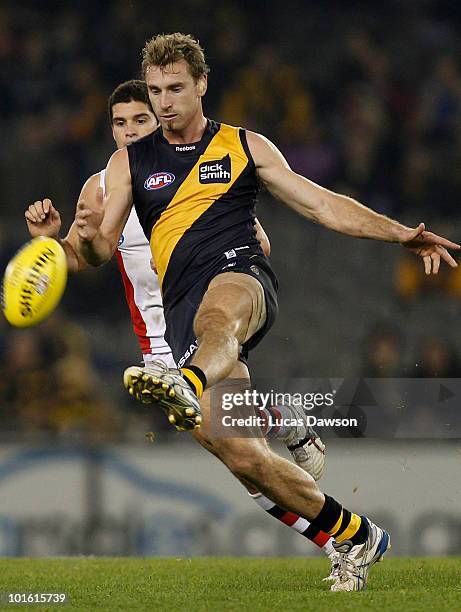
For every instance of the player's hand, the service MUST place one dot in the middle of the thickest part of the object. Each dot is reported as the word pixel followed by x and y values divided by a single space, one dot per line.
pixel 431 247
pixel 89 216
pixel 43 219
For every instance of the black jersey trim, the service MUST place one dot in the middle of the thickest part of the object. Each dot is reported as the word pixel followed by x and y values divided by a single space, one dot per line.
pixel 132 162
pixel 246 148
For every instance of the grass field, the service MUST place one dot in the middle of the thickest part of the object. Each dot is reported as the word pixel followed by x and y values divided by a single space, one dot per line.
pixel 217 584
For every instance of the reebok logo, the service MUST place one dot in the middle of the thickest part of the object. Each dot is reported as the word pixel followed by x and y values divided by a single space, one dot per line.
pixel 215 171
pixel 185 148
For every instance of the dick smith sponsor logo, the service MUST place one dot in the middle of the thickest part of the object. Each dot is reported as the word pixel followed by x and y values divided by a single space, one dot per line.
pixel 215 171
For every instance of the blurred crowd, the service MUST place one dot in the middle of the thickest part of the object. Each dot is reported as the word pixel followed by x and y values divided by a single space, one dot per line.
pixel 358 95
pixel 362 97
pixel 51 385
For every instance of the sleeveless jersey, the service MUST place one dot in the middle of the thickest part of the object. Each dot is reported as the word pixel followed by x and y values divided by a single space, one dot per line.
pixel 194 202
pixel 142 291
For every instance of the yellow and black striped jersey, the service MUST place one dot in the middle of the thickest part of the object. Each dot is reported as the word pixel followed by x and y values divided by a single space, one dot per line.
pixel 195 202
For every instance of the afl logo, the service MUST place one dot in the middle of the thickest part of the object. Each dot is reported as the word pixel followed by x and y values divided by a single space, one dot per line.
pixel 159 180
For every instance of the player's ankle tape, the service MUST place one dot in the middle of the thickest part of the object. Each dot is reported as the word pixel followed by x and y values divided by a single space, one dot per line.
pixel 196 379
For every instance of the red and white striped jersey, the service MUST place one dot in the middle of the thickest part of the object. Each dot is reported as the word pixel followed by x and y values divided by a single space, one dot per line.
pixel 142 290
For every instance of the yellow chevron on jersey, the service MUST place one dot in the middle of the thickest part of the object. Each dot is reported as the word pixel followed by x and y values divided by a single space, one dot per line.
pixel 193 198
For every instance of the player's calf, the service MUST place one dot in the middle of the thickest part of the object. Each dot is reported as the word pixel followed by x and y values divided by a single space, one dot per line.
pixel 248 459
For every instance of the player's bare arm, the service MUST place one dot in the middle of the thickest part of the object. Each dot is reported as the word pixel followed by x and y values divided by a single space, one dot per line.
pixel 43 219
pixel 89 193
pixel 100 223
pixel 339 212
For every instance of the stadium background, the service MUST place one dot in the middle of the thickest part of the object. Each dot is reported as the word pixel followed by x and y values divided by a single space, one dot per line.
pixel 362 97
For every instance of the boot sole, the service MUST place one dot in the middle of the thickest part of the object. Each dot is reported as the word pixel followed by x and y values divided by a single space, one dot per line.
pixel 150 389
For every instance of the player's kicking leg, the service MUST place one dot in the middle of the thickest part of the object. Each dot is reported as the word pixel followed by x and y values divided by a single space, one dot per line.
pixel 232 310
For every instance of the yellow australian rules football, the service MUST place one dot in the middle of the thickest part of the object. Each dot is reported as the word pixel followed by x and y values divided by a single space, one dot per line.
pixel 34 282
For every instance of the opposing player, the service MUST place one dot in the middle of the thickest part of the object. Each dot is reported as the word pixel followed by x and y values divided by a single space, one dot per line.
pixel 194 183
pixel 131 118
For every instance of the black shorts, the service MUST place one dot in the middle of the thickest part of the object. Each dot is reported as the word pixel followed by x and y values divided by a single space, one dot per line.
pixel 180 317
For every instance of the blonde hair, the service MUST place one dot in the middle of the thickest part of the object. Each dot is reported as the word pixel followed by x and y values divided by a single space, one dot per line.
pixel 165 49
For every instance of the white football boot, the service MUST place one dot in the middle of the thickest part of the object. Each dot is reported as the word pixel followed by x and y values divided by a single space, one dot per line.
pixel 305 446
pixel 334 571
pixel 356 561
pixel 165 387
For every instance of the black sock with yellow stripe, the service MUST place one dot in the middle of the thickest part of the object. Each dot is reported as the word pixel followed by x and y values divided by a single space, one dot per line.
pixel 340 523
pixel 196 379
